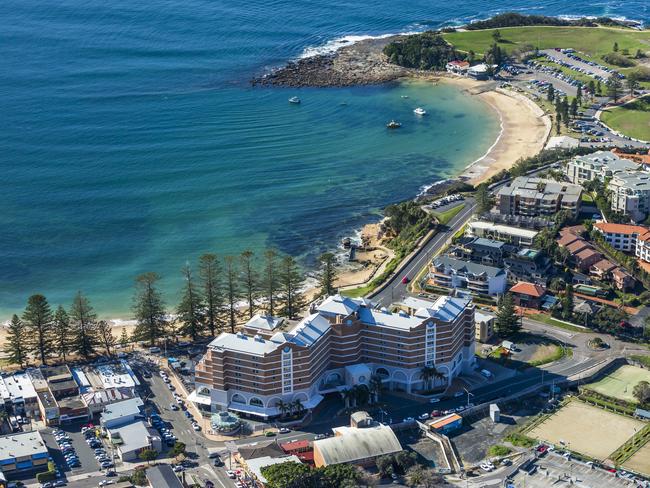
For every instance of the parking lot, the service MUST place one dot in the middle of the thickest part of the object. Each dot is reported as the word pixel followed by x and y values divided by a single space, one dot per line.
pixel 554 470
pixel 85 454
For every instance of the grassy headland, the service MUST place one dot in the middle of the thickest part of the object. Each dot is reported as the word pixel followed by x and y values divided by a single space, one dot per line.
pixel 631 119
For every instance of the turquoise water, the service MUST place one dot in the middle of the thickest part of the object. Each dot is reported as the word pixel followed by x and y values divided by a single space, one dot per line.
pixel 132 140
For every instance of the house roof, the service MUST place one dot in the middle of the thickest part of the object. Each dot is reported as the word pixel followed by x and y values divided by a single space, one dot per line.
pixel 530 289
pixel 135 436
pixel 587 253
pixel 125 408
pixel 295 445
pixel 610 228
pixel 163 476
pixel 356 444
pixel 604 265
pixel 577 246
pixel 260 449
pixel 621 273
pixel 468 267
pixel 446 420
pixel 567 239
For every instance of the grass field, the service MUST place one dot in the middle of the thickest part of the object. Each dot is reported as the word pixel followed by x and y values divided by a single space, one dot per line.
pixel 640 462
pixel 587 430
pixel 447 215
pixel 593 41
pixel 620 383
pixel 631 119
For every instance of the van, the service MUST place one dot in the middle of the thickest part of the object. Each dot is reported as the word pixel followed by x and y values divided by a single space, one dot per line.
pixel 154 350
pixel 486 373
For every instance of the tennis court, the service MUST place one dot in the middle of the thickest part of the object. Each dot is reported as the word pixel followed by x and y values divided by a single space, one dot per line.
pixel 620 383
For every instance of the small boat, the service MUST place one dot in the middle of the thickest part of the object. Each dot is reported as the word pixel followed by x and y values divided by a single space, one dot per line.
pixel 419 111
pixel 405 96
pixel 294 100
pixel 393 125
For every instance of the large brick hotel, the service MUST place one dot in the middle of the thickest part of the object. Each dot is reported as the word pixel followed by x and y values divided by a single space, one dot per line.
pixel 341 344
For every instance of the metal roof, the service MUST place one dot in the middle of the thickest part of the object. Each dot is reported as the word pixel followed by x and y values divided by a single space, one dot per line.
pixel 357 444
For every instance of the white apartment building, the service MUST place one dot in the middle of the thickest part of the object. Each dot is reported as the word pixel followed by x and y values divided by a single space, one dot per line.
pixel 630 194
pixel 597 166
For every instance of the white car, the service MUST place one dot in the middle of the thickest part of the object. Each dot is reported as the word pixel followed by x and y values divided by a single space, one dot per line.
pixel 424 416
pixel 196 427
pixel 408 419
pixel 231 474
pixel 178 469
pixel 434 400
pixel 284 430
pixel 105 482
pixel 485 467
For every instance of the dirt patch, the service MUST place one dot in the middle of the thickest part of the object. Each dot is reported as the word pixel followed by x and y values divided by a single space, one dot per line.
pixel 640 462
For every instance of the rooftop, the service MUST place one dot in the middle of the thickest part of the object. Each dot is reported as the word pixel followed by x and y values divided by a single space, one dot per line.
pixel 490 243
pixel 17 386
pixel 135 435
pixel 388 319
pixel 467 267
pixel 480 316
pixel 446 420
pixel 125 408
pixel 240 342
pixel 604 265
pixel 416 303
pixel 163 476
pixel 256 465
pixel 530 289
pixel 587 253
pixel 540 188
pixel 610 228
pixel 338 305
pixel 504 229
pixel 445 308
pixel 357 444
pixel 264 322
pixel 309 330
pixel 634 180
pixel 22 445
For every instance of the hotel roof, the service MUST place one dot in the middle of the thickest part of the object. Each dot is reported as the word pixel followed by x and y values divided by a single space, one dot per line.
pixel 446 309
pixel 356 444
pixel 388 319
pixel 309 330
pixel 338 305
pixel 467 267
pixel 264 322
pixel 416 303
pixel 240 342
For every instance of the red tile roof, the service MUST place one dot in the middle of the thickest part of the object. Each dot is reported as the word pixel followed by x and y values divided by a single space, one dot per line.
pixel 294 446
pixel 610 228
pixel 445 421
pixel 604 265
pixel 577 246
pixel 530 289
pixel 567 239
pixel 587 253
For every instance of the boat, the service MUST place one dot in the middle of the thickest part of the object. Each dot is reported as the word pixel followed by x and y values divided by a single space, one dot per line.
pixel 405 96
pixel 393 125
pixel 419 111
pixel 294 100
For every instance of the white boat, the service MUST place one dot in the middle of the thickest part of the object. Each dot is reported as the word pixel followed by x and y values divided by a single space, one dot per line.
pixel 405 96
pixel 419 111
pixel 294 100
pixel 393 125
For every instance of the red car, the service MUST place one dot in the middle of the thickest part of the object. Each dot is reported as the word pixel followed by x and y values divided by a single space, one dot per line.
pixel 542 449
pixel 405 280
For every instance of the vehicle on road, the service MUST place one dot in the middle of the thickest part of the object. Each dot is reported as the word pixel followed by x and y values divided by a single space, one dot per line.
pixel 485 467
pixel 424 416
pixel 459 394
pixel 284 430
pixel 230 474
pixel 434 400
pixel 405 280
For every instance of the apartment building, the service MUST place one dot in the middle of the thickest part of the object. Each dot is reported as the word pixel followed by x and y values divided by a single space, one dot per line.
pixel 630 194
pixel 500 232
pixel 597 166
pixel 533 197
pixel 342 344
pixel 23 452
pixel 454 274
pixel 622 237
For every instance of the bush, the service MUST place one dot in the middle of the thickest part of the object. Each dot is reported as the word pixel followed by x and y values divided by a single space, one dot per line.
pixel 421 51
pixel 499 450
pixel 618 59
pixel 642 73
pixel 138 478
pixel 46 476
pixel 519 440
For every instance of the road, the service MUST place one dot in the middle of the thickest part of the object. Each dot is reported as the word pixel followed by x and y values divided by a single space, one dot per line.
pixel 394 289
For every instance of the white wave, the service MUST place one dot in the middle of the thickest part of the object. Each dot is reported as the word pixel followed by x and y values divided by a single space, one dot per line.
pixel 333 45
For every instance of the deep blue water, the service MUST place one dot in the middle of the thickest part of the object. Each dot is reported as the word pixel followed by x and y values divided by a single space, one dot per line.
pixel 131 141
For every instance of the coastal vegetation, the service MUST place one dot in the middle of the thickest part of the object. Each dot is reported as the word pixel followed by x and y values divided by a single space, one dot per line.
pixel 631 119
pixel 421 51
pixel 208 303
pixel 514 19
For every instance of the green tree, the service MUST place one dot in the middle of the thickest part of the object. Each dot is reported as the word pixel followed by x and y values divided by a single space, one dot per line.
pixel 290 284
pixel 289 475
pixel 190 309
pixel 83 322
pixel 483 199
pixel 148 455
pixel 249 280
pixel 270 280
pixel 149 309
pixel 567 302
pixel 558 123
pixel 507 320
pixel 614 87
pixel 496 35
pixel 39 324
pixel 641 392
pixel 550 93
pixel 418 476
pixel 592 87
pixel 384 465
pixel 210 273
pixel 106 337
pixel 62 333
pixel 232 292
pixel 579 95
pixel 574 108
pixel 404 460
pixel 177 449
pixel 16 345
pixel 615 47
pixel 339 475
pixel 327 274
pixel 138 478
pixel 632 82
pixel 124 338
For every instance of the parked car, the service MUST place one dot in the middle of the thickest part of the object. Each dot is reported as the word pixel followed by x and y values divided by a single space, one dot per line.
pixel 424 416
pixel 284 430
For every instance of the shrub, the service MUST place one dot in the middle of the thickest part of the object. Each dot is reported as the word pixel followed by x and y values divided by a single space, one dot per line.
pixel 45 476
pixel 499 450
pixel 519 440
pixel 618 59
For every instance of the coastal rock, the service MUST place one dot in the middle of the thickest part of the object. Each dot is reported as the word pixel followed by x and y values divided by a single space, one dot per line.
pixel 362 63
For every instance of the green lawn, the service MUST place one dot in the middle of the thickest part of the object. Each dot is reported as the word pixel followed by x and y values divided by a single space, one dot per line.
pixel 631 119
pixel 554 322
pixel 620 383
pixel 447 215
pixel 593 41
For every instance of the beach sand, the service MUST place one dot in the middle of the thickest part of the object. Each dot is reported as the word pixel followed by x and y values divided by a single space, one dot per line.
pixel 524 128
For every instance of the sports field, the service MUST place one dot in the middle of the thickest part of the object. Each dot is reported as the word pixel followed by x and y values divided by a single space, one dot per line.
pixel 640 462
pixel 631 119
pixel 586 429
pixel 620 383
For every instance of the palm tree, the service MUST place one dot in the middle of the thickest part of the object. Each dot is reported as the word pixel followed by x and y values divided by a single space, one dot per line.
pixel 427 375
pixel 374 386
pixel 346 394
pixel 283 407
pixel 298 406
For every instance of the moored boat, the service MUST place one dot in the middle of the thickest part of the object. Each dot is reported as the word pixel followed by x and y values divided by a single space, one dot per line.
pixel 294 100
pixel 419 111
pixel 393 125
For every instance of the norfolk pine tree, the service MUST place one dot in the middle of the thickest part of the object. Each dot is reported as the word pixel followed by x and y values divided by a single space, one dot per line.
pixel 149 309
pixel 231 288
pixel 270 280
pixel 190 309
pixel 248 280
pixel 83 322
pixel 210 275
pixel 16 345
pixel 106 336
pixel 62 332
pixel 507 322
pixel 290 282
pixel 40 327
pixel 328 274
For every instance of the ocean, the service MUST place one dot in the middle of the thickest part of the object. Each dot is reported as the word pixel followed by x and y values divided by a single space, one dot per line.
pixel 132 141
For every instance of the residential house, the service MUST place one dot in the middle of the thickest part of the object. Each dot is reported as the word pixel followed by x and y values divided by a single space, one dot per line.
pixel 529 295
pixel 602 269
pixel 528 265
pixel 479 71
pixel 302 449
pixel 586 258
pixel 533 197
pixel 450 273
pixel 457 67
pixel 622 279
pixel 482 250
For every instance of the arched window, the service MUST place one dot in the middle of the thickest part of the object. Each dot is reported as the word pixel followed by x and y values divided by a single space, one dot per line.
pixel 256 402
pixel 237 398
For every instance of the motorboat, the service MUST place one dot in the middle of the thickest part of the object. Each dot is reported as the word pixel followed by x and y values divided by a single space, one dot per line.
pixel 294 100
pixel 393 125
pixel 405 96
pixel 419 111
